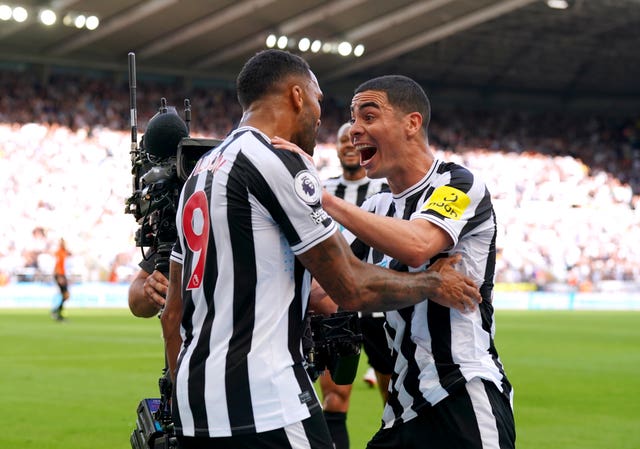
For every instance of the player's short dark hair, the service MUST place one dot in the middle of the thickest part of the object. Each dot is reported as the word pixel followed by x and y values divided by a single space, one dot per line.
pixel 403 93
pixel 264 70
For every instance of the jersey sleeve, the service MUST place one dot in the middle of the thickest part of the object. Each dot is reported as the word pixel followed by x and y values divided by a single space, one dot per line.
pixel 457 205
pixel 291 192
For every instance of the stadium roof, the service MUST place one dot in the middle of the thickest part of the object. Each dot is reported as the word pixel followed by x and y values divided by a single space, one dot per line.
pixel 586 53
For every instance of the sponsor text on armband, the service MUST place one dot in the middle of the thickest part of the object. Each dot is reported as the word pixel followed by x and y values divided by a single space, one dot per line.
pixel 448 202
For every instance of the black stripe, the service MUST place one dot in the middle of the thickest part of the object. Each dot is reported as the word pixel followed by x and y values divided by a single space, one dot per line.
pixel 376 255
pixel 210 277
pixel 360 249
pixel 501 409
pixel 244 296
pixel 489 270
pixel 273 439
pixel 411 204
pixel 340 190
pixel 187 300
pixel 259 187
pixel 296 328
pixel 292 161
pixel 465 419
pixel 202 350
pixel 362 193
pixel 408 349
pixel 486 307
pixel 393 400
pixel 461 178
pixel 296 315
pixel 317 432
pixel 196 380
pixel 483 212
pixel 439 323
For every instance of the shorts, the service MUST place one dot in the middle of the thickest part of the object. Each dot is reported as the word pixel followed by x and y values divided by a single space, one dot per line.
pixel 375 343
pixel 311 433
pixel 476 417
pixel 61 280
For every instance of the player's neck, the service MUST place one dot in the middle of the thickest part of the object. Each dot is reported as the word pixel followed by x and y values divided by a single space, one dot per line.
pixel 268 118
pixel 354 174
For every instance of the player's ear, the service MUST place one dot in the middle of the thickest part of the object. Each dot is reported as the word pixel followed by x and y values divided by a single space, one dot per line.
pixel 413 123
pixel 296 97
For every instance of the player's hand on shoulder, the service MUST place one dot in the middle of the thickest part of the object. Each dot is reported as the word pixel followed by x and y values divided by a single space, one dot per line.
pixel 284 144
pixel 456 290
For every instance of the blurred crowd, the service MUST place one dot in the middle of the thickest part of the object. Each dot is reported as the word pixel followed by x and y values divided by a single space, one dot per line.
pixel 566 188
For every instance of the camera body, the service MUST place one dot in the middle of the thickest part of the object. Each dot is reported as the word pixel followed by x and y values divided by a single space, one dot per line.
pixel 160 165
pixel 333 342
pixel 158 177
pixel 154 426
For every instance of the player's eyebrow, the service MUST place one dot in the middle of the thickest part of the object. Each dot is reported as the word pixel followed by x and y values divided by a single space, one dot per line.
pixel 366 104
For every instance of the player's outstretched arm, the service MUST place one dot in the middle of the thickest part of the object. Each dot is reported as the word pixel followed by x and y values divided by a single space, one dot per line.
pixel 355 285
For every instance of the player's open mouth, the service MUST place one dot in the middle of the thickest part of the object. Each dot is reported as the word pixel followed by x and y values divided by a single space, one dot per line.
pixel 366 153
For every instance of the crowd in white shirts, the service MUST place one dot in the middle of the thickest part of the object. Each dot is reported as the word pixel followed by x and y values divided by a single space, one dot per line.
pixel 566 189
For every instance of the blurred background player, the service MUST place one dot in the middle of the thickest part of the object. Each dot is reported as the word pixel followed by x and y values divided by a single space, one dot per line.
pixel 60 276
pixel 354 186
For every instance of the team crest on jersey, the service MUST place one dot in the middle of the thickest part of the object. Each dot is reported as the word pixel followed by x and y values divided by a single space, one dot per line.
pixel 307 187
pixel 448 202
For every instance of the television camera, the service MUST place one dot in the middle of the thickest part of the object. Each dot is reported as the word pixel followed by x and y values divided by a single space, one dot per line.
pixel 161 163
pixel 333 343
pixel 160 166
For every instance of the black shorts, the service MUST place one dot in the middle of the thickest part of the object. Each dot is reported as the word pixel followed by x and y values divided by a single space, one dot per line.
pixel 476 417
pixel 375 343
pixel 311 433
pixel 61 280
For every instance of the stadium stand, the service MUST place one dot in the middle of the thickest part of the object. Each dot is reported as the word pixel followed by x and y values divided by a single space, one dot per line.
pixel 566 188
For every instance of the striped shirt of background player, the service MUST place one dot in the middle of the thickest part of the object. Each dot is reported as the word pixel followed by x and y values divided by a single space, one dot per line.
pixel 354 192
pixel 245 375
pixel 448 340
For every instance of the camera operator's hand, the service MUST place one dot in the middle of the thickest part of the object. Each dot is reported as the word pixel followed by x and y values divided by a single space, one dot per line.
pixel 155 288
pixel 147 293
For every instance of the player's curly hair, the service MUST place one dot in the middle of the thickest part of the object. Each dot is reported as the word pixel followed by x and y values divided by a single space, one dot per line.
pixel 262 72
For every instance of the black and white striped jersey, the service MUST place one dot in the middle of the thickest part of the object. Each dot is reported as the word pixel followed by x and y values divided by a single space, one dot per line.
pixel 436 350
pixel 244 213
pixel 354 192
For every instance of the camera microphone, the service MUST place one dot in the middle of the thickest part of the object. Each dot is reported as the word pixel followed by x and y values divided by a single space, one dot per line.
pixel 187 112
pixel 132 101
pixel 164 132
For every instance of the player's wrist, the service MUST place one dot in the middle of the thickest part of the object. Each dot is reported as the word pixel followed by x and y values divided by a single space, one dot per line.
pixel 432 282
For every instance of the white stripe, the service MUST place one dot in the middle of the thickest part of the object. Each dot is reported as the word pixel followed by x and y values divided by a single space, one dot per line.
pixel 482 409
pixel 372 315
pixel 297 436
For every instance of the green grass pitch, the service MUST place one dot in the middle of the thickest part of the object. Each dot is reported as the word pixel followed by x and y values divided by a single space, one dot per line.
pixel 76 384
